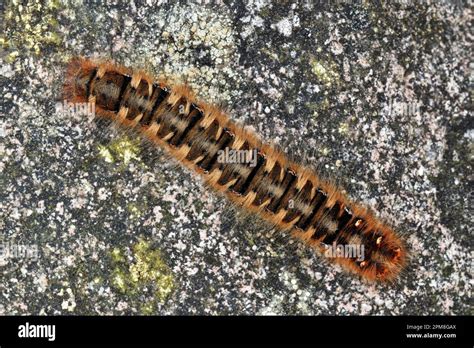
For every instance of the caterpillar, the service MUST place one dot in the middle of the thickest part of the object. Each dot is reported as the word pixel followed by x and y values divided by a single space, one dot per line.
pixel 284 193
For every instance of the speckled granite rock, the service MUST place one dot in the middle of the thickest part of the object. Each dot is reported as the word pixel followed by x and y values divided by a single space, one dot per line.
pixel 376 97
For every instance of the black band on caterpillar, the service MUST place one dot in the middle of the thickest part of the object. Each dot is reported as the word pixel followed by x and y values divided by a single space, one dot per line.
pixel 284 193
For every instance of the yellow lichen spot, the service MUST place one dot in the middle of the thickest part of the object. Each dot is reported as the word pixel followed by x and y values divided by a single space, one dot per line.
pixel 134 210
pixel 325 151
pixel 104 152
pixel 324 71
pixel 147 308
pixel 147 270
pixel 3 42
pixel 271 54
pixel 125 149
pixel 54 4
pixel 324 104
pixel 165 286
pixel 12 56
pixel 119 281
pixel 343 128
pixel 117 255
pixel 122 149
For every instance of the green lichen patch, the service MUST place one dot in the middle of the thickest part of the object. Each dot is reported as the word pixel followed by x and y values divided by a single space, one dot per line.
pixel 31 27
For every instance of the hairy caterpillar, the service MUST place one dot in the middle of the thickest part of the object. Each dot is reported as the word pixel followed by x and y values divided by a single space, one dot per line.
pixel 283 193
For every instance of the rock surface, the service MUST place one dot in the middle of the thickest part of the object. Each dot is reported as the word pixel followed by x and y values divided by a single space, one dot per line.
pixel 376 97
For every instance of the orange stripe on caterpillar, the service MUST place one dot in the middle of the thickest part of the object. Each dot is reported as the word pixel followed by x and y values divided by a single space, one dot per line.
pixel 263 180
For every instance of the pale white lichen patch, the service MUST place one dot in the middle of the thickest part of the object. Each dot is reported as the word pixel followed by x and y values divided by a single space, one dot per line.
pixel 193 44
